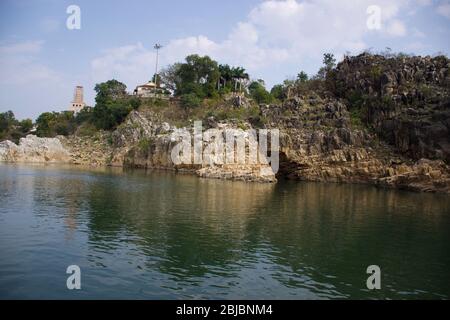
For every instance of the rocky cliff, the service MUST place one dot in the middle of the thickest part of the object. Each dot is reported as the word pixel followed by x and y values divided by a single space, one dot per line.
pixel 145 141
pixel 379 120
pixel 375 119
pixel 318 143
pixel 34 150
pixel 406 100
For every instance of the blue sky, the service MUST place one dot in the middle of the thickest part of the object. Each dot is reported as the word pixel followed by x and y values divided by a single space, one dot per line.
pixel 41 60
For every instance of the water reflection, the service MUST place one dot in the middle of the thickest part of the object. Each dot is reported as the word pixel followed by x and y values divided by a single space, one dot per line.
pixel 160 235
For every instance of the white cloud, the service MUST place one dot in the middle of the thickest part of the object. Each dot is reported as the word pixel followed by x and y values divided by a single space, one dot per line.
pixel 19 64
pixel 129 64
pixel 444 9
pixel 396 28
pixel 27 85
pixel 274 33
pixel 26 47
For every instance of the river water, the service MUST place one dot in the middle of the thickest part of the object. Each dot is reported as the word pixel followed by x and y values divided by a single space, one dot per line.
pixel 157 235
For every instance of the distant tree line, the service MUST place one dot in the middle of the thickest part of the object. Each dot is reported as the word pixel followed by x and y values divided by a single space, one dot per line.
pixel 13 129
pixel 192 81
pixel 200 77
pixel 112 105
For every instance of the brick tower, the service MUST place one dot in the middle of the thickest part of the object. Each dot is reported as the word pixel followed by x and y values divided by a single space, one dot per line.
pixel 77 104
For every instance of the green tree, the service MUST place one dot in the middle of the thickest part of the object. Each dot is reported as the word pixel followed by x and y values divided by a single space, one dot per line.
pixel 109 115
pixel 198 75
pixel 278 92
pixel 85 115
pixel 239 73
pixel 169 77
pixel 302 77
pixel 111 90
pixel 229 75
pixel 45 124
pixel 13 129
pixel 7 120
pixel 51 124
pixel 329 61
pixel 259 93
pixel 226 73
pixel 112 104
pixel 26 125
pixel 190 100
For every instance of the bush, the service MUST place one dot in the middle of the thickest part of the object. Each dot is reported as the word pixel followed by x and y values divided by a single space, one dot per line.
pixel 135 103
pixel 198 75
pixel 110 115
pixel 86 129
pixel 278 92
pixel 112 105
pixel 51 124
pixel 144 145
pixel 259 93
pixel 26 125
pixel 190 100
pixel 12 129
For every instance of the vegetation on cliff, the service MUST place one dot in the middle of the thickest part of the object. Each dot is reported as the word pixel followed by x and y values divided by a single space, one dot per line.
pixel 378 118
pixel 13 129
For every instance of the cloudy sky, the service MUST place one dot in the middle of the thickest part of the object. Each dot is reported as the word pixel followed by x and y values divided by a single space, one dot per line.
pixel 41 60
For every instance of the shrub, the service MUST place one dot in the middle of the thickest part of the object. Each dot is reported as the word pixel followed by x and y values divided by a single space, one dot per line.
pixel 51 124
pixel 259 93
pixel 278 92
pixel 12 129
pixel 190 100
pixel 86 129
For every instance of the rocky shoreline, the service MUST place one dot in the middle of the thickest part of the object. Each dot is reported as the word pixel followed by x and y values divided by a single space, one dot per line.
pixel 380 121
pixel 308 155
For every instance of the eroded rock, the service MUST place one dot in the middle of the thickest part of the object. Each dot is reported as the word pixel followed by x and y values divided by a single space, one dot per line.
pixel 34 150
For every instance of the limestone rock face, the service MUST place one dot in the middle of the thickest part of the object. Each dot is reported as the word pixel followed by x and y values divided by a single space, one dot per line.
pixel 406 100
pixel 249 173
pixel 95 150
pixel 144 141
pixel 156 153
pixel 319 143
pixel 34 149
pixel 135 127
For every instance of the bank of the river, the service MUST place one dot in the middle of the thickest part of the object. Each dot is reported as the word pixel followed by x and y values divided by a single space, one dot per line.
pixel 305 155
pixel 375 120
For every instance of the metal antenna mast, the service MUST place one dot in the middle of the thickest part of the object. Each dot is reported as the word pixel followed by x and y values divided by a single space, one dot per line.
pixel 157 47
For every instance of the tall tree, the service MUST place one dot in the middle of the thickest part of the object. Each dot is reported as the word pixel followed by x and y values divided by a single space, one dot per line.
pixel 109 91
pixel 112 104
pixel 169 77
pixel 259 92
pixel 198 75
pixel 302 77
pixel 230 75
pixel 329 61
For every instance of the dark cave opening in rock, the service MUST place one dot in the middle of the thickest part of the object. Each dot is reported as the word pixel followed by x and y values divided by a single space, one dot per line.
pixel 287 168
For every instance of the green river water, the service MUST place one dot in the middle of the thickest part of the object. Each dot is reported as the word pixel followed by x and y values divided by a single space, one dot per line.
pixel 158 235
